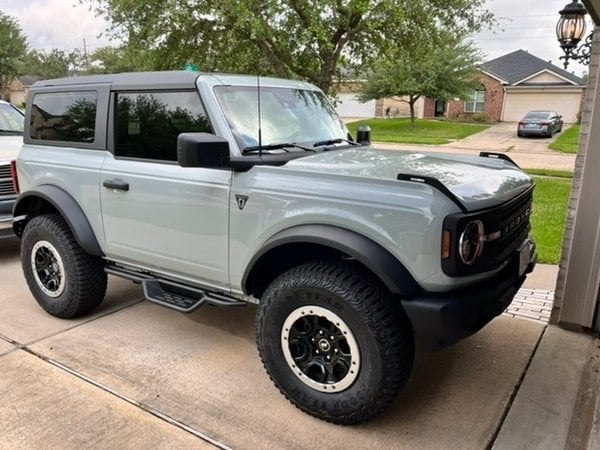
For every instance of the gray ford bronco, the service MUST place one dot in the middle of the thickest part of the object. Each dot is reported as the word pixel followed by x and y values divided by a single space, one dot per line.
pixel 211 189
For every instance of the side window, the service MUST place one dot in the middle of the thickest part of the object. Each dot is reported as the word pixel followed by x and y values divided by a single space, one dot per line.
pixel 64 116
pixel 476 102
pixel 148 123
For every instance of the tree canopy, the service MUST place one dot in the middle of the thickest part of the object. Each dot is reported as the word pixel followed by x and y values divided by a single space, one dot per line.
pixel 13 46
pixel 440 69
pixel 308 39
pixel 53 64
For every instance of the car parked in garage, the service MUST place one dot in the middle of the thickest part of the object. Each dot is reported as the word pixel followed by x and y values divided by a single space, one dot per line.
pixel 540 123
pixel 11 139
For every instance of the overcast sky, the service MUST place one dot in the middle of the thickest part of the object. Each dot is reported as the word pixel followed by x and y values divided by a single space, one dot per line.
pixel 523 24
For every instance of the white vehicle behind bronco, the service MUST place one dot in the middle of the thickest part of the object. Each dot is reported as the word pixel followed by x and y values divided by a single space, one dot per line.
pixel 11 140
pixel 215 189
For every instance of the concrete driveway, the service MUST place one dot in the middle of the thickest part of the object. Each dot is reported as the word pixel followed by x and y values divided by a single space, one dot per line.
pixel 528 152
pixel 503 137
pixel 134 375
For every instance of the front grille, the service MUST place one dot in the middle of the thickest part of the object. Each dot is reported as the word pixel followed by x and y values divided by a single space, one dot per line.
pixel 6 182
pixel 514 224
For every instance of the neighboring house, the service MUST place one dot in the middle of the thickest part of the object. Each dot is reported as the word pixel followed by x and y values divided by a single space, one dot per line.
pixel 19 88
pixel 516 83
pixel 349 106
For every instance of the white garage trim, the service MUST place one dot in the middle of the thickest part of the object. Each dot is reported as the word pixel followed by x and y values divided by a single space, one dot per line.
pixel 349 106
pixel 518 102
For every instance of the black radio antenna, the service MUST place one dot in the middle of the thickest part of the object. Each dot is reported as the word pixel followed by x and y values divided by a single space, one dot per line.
pixel 259 114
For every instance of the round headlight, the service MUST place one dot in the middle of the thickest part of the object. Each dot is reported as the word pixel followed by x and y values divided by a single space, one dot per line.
pixel 471 242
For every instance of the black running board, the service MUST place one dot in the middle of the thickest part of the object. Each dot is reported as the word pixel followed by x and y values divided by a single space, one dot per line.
pixel 174 295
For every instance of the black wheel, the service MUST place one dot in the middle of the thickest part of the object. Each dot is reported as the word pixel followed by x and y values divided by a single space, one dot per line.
pixel 65 280
pixel 334 341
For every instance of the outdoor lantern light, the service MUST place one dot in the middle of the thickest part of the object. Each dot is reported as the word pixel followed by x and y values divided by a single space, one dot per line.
pixel 569 31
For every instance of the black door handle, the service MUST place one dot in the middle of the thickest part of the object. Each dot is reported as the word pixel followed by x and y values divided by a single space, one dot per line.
pixel 117 183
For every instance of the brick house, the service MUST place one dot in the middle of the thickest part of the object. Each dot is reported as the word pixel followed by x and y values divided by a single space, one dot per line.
pixel 513 84
pixel 19 88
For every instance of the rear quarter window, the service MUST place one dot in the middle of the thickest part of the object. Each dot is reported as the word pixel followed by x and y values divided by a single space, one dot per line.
pixel 64 116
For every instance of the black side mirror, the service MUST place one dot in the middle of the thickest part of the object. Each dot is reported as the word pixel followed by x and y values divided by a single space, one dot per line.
pixel 202 150
pixel 363 135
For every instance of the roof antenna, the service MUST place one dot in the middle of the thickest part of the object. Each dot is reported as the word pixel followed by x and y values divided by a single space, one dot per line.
pixel 259 114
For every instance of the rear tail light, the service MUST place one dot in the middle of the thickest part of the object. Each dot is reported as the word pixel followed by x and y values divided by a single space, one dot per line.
pixel 15 178
pixel 521 124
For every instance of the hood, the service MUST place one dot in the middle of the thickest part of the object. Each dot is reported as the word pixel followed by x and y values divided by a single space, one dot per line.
pixel 477 182
pixel 10 146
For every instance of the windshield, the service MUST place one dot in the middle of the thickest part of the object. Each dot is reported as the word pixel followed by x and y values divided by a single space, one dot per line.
pixel 537 115
pixel 11 119
pixel 287 115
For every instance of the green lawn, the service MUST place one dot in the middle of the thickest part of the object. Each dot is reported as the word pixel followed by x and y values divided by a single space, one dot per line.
pixel 432 132
pixel 568 140
pixel 550 205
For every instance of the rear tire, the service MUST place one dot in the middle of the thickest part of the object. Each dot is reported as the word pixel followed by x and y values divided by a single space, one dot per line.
pixel 334 341
pixel 65 280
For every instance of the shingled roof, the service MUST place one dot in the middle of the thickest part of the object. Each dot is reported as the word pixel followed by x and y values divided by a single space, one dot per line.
pixel 520 65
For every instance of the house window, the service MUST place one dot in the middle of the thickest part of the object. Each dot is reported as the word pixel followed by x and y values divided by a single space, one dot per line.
pixel 476 102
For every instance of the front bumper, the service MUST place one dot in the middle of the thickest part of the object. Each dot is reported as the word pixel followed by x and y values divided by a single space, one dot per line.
pixel 441 319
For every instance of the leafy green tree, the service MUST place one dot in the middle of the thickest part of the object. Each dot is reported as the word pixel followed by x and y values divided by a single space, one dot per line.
pixel 119 59
pixel 307 39
pixel 441 69
pixel 13 46
pixel 53 64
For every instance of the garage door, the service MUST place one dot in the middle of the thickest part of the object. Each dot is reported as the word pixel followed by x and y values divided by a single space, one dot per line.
pixel 518 103
pixel 349 106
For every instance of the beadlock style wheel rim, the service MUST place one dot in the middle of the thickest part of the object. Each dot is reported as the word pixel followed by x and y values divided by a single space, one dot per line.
pixel 320 349
pixel 48 269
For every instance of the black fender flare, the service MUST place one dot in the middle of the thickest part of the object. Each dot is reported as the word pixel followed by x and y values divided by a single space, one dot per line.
pixel 66 206
pixel 372 255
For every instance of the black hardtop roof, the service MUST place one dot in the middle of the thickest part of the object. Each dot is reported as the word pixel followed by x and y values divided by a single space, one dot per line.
pixel 131 80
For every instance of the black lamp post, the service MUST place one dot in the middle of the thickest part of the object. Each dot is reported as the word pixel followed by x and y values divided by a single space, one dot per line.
pixel 570 30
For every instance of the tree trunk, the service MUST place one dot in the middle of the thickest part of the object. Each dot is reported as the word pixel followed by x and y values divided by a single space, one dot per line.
pixel 411 104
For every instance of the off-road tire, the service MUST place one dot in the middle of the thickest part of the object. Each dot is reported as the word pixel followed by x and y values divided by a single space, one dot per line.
pixel 65 280
pixel 322 291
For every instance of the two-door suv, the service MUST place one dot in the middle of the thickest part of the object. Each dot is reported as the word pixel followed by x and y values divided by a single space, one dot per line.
pixel 222 189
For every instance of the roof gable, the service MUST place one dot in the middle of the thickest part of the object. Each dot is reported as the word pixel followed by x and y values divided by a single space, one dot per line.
pixel 520 67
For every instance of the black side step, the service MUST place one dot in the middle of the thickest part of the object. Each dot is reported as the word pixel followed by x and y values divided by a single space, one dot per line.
pixel 184 298
pixel 174 295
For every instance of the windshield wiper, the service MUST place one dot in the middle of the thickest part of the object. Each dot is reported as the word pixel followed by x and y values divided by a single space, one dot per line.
pixel 10 131
pixel 283 146
pixel 334 141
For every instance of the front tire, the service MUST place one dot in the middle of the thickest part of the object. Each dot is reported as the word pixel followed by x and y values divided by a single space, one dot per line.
pixel 334 341
pixel 66 281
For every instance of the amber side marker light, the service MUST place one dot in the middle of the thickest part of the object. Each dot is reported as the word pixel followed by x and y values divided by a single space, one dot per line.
pixel 446 244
